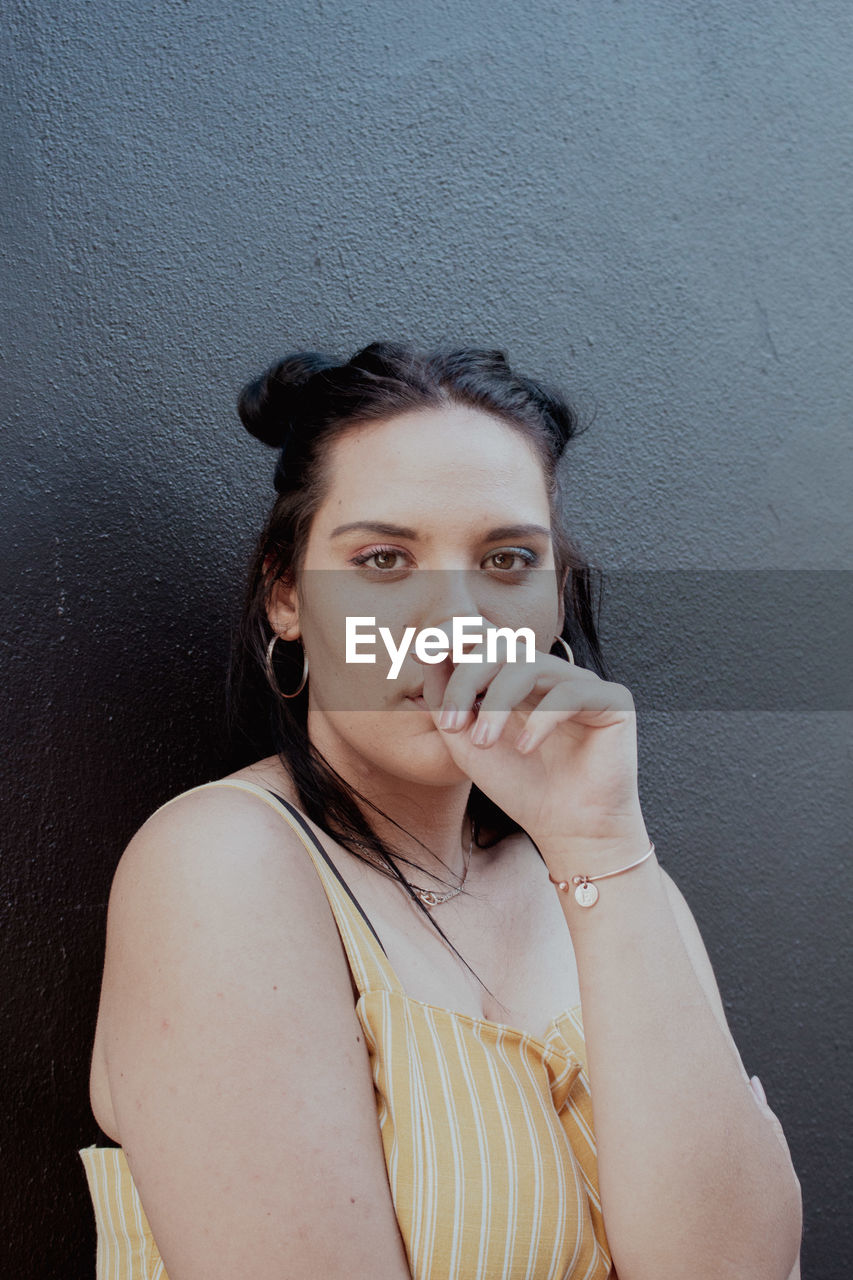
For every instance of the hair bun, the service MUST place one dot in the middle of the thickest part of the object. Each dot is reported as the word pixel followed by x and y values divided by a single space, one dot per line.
pixel 267 406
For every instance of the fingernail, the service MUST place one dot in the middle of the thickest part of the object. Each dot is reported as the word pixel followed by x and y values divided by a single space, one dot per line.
pixel 447 718
pixel 480 733
pixel 758 1089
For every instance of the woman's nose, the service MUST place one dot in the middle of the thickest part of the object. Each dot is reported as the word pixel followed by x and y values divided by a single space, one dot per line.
pixel 448 594
pixel 472 633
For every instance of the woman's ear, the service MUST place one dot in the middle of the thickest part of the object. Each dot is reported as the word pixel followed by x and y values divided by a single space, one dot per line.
pixel 283 608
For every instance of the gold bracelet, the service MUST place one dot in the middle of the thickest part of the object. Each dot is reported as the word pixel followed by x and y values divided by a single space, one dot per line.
pixel 586 893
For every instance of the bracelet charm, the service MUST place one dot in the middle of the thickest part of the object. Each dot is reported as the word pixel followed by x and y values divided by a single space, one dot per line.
pixel 586 894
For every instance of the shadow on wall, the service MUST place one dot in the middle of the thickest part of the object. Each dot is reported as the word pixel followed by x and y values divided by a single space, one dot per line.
pixel 117 660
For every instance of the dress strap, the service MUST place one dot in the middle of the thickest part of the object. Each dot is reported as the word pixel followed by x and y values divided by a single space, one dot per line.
pixel 367 957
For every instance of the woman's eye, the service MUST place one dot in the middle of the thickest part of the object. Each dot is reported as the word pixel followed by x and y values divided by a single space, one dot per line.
pixel 377 552
pixel 527 558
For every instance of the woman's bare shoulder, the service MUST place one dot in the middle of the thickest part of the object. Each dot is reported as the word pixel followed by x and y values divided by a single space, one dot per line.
pixel 187 818
pixel 213 848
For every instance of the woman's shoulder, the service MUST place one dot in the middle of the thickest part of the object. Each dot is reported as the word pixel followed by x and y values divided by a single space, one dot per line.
pixel 198 812
pixel 213 840
pixel 214 872
pixel 265 776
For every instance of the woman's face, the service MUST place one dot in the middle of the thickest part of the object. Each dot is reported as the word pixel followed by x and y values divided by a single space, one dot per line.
pixel 447 486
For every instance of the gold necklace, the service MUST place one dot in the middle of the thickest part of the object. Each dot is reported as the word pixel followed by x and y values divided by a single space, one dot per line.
pixel 428 896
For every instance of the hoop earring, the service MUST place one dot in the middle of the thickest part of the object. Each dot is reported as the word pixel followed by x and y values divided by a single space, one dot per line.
pixel 271 673
pixel 571 656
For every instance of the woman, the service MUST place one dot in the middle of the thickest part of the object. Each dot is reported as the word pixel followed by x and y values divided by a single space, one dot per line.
pixel 340 1027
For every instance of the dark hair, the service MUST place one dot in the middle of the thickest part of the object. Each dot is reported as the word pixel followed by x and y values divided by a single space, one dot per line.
pixel 300 406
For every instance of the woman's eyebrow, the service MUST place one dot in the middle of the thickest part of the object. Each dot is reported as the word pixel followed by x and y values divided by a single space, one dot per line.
pixel 402 531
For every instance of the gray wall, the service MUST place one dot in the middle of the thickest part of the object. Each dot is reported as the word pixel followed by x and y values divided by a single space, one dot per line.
pixel 648 202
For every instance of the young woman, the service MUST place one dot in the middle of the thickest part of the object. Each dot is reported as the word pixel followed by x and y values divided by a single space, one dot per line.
pixel 414 996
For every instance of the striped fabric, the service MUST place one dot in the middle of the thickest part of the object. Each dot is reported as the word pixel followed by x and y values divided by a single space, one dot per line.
pixel 487 1131
pixel 126 1248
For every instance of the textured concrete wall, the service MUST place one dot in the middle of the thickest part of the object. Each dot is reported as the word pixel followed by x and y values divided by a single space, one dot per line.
pixel 648 202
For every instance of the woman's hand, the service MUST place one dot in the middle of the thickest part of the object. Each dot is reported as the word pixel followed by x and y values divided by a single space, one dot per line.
pixel 573 787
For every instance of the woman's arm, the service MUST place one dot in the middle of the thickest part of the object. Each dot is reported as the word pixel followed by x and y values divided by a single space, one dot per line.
pixel 238 1071
pixel 703 969
pixel 695 1174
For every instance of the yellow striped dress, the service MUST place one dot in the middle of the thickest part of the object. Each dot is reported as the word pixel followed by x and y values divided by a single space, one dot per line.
pixel 487 1130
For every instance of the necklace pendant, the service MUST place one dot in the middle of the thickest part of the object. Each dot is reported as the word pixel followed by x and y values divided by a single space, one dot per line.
pixel 586 894
pixel 429 897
